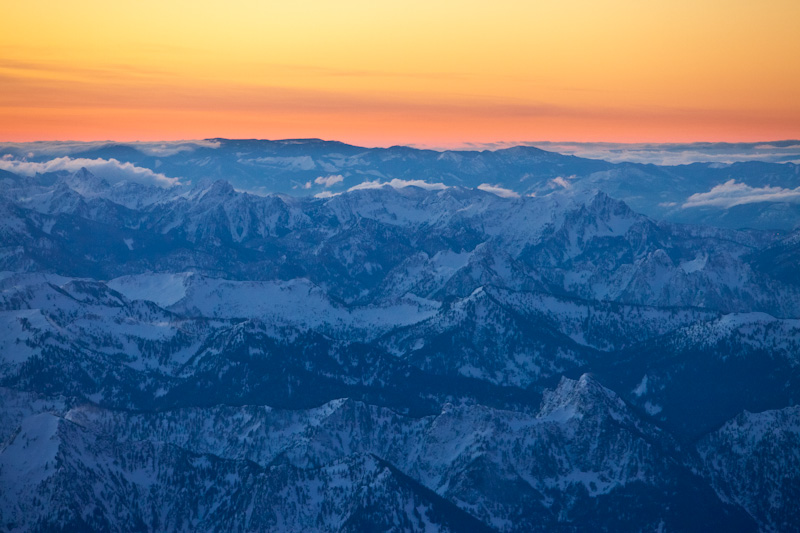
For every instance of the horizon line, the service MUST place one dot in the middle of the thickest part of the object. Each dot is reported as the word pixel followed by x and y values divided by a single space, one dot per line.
pixel 444 147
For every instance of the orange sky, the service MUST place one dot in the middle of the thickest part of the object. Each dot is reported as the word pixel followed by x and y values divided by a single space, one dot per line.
pixel 377 73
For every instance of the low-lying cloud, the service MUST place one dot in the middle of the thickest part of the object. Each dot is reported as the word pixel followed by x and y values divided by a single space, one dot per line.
pixel 663 153
pixel 326 194
pixel 70 148
pixel 170 148
pixel 399 184
pixel 731 193
pixel 499 191
pixel 680 153
pixel 110 170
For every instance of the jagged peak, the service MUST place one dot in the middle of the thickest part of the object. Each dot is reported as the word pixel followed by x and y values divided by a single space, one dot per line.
pixel 213 189
pixel 221 186
pixel 83 172
pixel 574 398
pixel 604 205
pixel 85 182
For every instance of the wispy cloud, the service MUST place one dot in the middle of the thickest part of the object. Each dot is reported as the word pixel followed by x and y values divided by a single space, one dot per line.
pixel 109 169
pixel 499 191
pixel 731 193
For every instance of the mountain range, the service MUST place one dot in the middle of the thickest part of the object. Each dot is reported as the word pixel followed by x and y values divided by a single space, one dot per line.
pixel 738 194
pixel 467 353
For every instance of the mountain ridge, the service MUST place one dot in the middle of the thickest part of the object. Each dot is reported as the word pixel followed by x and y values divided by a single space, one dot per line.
pixel 525 360
pixel 766 196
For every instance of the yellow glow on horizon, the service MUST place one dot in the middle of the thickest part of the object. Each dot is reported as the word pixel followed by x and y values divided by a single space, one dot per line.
pixel 401 72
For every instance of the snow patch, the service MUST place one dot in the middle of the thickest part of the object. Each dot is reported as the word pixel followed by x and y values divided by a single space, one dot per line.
pixel 696 264
pixel 652 408
pixel 29 458
pixel 161 289
pixel 641 388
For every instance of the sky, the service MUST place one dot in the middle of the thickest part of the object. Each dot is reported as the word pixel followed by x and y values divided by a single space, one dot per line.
pixel 434 73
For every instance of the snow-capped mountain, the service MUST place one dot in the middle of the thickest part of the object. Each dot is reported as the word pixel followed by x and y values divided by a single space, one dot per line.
pixel 750 464
pixel 744 194
pixel 392 358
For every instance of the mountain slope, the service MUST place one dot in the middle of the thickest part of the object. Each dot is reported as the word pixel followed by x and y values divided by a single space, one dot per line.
pixel 198 358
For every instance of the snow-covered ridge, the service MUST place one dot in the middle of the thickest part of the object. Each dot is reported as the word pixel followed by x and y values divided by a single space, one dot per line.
pixel 199 358
pixel 438 450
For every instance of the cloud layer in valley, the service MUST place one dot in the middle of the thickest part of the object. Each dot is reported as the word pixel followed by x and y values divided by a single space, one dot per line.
pixel 499 191
pixel 110 170
pixel 731 193
pixel 47 149
pixel 654 153
pixel 399 184
pixel 665 153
